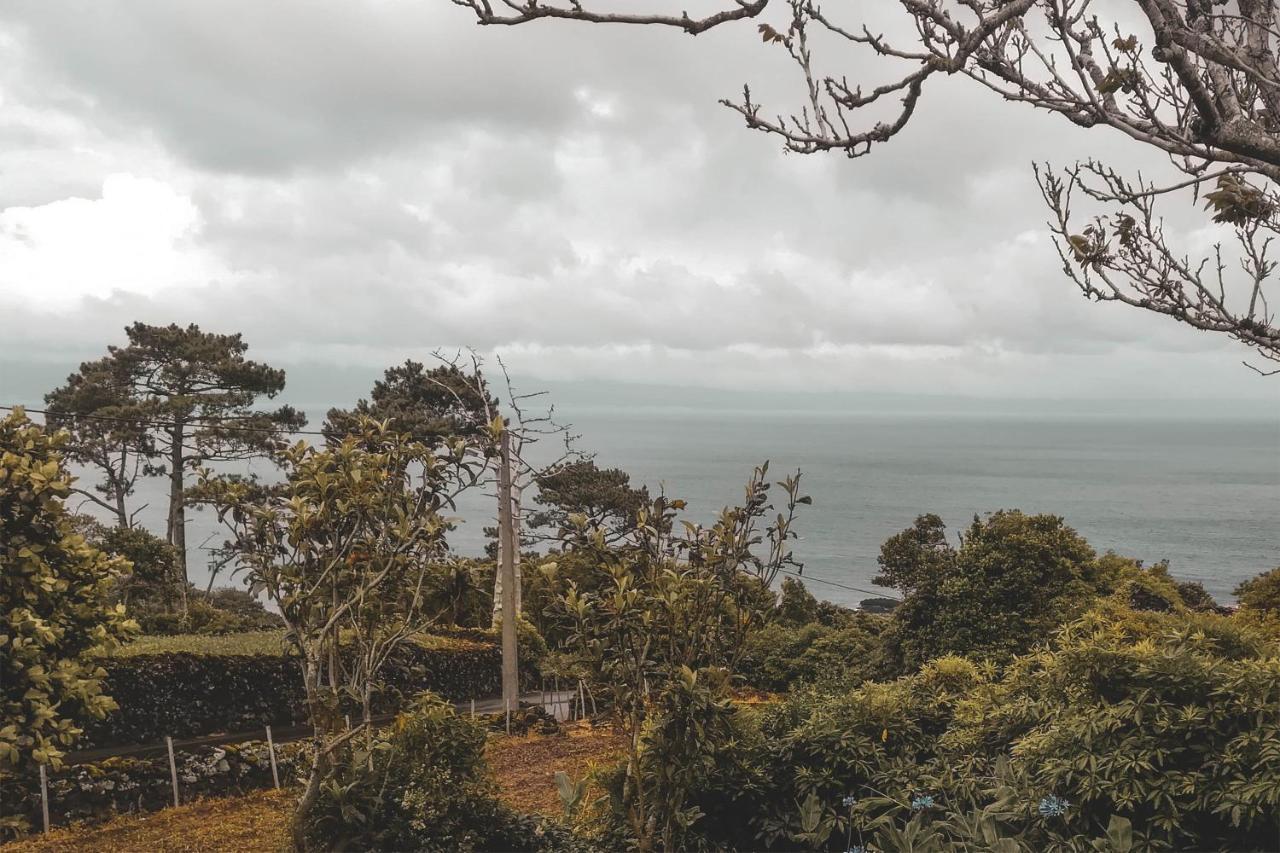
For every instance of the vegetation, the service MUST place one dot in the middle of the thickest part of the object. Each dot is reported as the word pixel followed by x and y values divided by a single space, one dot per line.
pixel 169 402
pixel 661 634
pixel 56 605
pixel 422 786
pixel 1013 580
pixel 1261 594
pixel 1024 693
pixel 582 493
pixel 431 405
pixel 344 550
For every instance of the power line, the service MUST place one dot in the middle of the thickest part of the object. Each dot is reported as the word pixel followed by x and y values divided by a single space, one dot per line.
pixel 146 422
pixel 878 593
pixel 142 422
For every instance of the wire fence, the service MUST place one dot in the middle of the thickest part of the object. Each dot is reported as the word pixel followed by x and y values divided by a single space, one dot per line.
pixel 561 704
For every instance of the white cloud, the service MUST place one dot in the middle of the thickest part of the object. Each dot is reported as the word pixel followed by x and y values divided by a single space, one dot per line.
pixel 138 237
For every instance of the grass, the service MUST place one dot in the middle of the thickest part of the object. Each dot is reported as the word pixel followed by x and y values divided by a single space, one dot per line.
pixel 257 822
pixel 256 643
pixel 524 768
pixel 247 643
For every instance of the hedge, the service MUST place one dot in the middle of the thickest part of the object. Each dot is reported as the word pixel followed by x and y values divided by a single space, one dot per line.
pixel 187 694
pixel 124 785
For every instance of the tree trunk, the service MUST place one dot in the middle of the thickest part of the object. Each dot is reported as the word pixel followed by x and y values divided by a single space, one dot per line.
pixel 516 490
pixel 177 507
pixel 506 570
pixel 311 682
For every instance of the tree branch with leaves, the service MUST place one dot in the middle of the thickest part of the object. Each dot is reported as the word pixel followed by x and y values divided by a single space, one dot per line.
pixel 1195 81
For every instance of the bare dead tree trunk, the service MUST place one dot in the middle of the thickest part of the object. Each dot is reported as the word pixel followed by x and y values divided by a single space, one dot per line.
pixel 177 532
pixel 507 571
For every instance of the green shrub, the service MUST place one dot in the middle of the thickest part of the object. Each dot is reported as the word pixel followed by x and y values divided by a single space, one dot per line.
pixel 55 604
pixel 780 656
pixel 185 686
pixel 1167 720
pixel 421 785
pixel 1261 594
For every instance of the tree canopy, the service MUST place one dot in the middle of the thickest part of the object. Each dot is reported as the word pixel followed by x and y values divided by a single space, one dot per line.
pixel 428 404
pixel 179 396
pixel 55 603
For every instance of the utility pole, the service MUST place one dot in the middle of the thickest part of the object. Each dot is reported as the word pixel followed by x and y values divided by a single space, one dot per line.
pixel 507 571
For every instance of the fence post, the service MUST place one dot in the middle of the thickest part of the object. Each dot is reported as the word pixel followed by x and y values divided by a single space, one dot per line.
pixel 44 798
pixel 582 702
pixel 173 768
pixel 473 708
pixel 271 748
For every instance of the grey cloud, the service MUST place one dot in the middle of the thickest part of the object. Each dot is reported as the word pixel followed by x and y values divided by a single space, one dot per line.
pixel 385 178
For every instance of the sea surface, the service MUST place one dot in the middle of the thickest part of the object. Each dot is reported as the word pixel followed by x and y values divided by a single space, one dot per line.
pixel 1200 492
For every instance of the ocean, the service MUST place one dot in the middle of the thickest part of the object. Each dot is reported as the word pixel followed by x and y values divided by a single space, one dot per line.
pixel 1202 493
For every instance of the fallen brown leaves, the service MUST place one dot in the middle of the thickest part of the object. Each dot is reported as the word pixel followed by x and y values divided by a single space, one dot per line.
pixel 254 822
pixel 525 767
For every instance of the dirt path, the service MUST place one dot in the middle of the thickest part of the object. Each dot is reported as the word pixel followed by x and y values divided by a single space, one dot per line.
pixel 525 767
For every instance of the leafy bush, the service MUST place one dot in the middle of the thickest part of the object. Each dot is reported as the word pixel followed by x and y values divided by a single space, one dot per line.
pixel 1261 594
pixel 182 694
pixel 779 657
pixel 245 682
pixel 55 604
pixel 798 606
pixel 1171 721
pixel 1013 580
pixel 1165 720
pixel 420 785
pixel 225 610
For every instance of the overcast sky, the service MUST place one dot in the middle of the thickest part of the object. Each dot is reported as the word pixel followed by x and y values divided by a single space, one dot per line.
pixel 350 183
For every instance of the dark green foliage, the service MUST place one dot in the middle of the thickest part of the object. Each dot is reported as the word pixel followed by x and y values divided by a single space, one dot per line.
pixel 421 785
pixel 1013 579
pixel 429 405
pixel 225 610
pixel 153 592
pixel 779 656
pixel 463 593
pixel 1196 597
pixel 1261 594
pixel 156 576
pixel 877 605
pixel 184 694
pixel 1167 722
pixel 603 498
pixel 796 605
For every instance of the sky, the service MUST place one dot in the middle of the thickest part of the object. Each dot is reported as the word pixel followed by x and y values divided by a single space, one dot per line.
pixel 353 183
